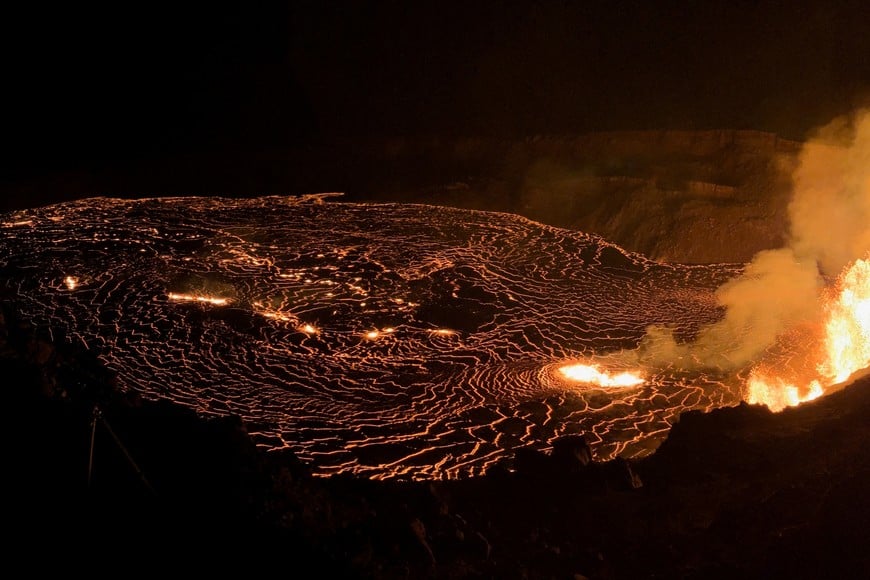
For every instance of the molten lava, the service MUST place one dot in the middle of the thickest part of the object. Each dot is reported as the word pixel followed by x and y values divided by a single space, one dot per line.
pixel 590 374
pixel 214 301
pixel 777 393
pixel 309 329
pixel 845 348
pixel 847 331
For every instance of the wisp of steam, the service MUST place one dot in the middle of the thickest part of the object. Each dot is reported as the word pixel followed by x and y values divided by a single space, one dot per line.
pixel 788 288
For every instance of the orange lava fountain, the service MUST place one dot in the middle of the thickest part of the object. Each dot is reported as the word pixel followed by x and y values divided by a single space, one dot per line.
pixel 583 373
pixel 845 347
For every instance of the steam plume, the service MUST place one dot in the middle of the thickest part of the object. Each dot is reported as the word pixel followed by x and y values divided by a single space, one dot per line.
pixel 830 228
pixel 831 205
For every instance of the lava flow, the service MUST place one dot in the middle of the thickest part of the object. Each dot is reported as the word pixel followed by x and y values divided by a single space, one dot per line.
pixel 384 340
pixel 591 374
pixel 216 301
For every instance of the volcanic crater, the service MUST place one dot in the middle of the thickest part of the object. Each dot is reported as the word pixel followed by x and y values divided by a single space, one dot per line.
pixel 386 340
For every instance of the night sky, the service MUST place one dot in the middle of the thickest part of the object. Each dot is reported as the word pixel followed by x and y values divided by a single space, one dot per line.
pixel 89 88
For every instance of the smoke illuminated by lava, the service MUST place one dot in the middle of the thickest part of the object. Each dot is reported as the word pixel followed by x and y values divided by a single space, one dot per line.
pixel 844 349
pixel 785 291
pixel 830 213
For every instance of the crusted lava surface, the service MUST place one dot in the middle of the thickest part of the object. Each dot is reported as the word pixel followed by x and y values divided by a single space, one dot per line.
pixel 737 491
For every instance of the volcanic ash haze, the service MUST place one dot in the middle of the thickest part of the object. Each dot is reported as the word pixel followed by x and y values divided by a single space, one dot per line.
pixel 795 289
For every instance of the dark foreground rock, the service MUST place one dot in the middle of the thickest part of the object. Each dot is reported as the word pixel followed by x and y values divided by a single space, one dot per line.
pixel 739 492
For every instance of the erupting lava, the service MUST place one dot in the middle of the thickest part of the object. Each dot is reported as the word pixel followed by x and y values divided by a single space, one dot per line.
pixel 779 393
pixel 828 236
pixel 214 301
pixel 590 374
pixel 847 331
pixel 845 347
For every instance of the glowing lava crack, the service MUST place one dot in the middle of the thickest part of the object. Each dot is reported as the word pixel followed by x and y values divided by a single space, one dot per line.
pixel 844 349
pixel 385 340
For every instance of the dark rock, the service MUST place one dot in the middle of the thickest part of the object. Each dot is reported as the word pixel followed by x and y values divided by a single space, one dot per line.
pixel 440 497
pixel 40 352
pixel 532 462
pixel 571 453
pixel 419 531
pixel 500 470
pixel 622 476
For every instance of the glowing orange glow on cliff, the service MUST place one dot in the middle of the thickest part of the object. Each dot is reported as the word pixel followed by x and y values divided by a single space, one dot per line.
pixel 71 282
pixel 845 348
pixel 591 374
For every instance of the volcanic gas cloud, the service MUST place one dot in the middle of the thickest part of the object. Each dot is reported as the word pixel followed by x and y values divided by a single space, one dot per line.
pixel 798 318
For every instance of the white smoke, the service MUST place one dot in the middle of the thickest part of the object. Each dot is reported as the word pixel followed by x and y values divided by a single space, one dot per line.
pixel 830 210
pixel 830 228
